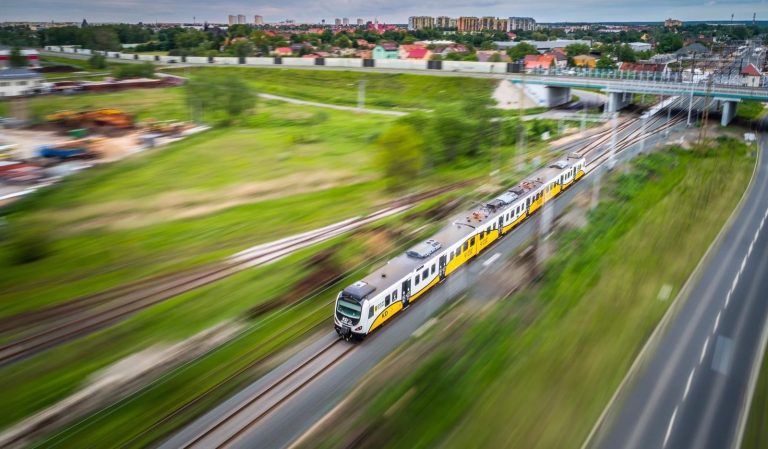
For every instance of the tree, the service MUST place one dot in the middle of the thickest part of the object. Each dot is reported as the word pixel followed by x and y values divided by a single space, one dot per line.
pixel 399 152
pixel 624 53
pixel 521 50
pixel 576 50
pixel 190 38
pixel 16 58
pixel 495 58
pixel 242 49
pixel 220 93
pixel 143 70
pixel 605 62
pixel 97 61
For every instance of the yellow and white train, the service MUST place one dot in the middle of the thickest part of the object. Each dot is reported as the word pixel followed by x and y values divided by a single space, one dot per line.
pixel 365 305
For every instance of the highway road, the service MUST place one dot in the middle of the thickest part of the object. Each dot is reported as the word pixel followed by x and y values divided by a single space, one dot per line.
pixel 693 390
pixel 268 424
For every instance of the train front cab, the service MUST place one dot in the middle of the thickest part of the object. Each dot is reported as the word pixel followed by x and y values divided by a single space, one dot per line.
pixel 347 319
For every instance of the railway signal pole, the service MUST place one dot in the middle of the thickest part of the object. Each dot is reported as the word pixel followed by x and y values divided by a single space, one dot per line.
pixel 361 95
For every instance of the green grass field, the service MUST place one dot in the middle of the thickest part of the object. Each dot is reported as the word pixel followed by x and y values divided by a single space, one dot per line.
pixel 289 169
pixel 339 87
pixel 751 110
pixel 543 364
pixel 756 432
pixel 44 379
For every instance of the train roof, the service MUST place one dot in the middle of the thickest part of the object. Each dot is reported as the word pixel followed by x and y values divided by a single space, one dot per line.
pixel 462 225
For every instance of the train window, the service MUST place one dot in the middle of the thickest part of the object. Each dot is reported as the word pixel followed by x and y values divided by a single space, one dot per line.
pixel 465 246
pixel 394 295
pixel 416 281
pixel 425 274
pixel 433 269
pixel 370 312
pixel 386 300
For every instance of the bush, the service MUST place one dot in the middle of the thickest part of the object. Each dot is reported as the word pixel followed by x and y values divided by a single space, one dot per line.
pixel 28 244
pixel 97 61
pixel 144 70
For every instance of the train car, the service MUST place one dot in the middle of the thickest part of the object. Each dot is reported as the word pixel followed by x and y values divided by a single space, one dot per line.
pixel 366 305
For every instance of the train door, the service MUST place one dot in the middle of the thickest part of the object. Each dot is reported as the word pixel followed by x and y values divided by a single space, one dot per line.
pixel 406 291
pixel 442 262
pixel 501 225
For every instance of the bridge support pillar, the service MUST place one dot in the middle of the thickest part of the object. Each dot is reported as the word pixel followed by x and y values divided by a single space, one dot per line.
pixel 729 112
pixel 617 101
pixel 557 96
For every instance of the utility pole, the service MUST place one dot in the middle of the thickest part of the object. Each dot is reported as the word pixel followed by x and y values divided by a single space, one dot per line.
pixel 690 103
pixel 642 132
pixel 584 118
pixel 669 118
pixel 361 95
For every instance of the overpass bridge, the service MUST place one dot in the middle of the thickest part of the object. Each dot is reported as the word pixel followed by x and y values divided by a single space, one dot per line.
pixel 620 90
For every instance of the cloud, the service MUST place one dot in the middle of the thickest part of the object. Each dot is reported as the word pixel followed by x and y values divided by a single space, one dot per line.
pixel 386 10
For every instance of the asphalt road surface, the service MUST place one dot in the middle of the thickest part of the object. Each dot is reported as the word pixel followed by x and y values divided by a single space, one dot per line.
pixel 693 390
pixel 292 418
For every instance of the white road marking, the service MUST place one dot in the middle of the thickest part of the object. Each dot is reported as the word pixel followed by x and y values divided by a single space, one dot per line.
pixel 491 259
pixel 717 321
pixel 704 350
pixel 669 428
pixel 688 385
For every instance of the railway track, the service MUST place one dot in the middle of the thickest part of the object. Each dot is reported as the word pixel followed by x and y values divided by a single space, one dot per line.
pixel 228 430
pixel 81 316
pixel 269 398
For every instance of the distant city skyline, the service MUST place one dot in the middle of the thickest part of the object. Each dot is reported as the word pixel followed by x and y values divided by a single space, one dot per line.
pixel 304 11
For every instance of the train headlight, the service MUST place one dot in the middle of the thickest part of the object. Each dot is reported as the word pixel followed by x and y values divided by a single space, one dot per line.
pixel 359 328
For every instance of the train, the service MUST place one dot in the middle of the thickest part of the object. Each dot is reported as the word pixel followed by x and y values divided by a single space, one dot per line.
pixel 366 305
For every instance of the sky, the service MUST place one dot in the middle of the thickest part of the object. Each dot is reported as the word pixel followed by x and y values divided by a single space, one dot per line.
pixel 388 11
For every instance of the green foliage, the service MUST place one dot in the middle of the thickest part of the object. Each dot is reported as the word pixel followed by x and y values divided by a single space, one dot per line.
pixel 624 53
pixel 16 59
pixel 228 94
pixel 400 155
pixel 495 58
pixel 605 62
pixel 750 110
pixel 669 42
pixel 28 242
pixel 521 50
pixel 97 61
pixel 241 49
pixel 577 50
pixel 143 70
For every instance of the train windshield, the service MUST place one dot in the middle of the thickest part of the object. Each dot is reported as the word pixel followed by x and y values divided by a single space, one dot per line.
pixel 350 309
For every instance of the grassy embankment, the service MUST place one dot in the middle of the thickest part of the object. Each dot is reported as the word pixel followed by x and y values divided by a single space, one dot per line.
pixel 756 432
pixel 751 110
pixel 537 371
pixel 282 170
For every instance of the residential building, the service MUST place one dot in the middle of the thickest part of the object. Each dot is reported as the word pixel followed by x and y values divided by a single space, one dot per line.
pixel 405 49
pixel 443 22
pixel 750 76
pixel 420 22
pixel 360 22
pixel 502 25
pixel 362 43
pixel 345 21
pixel 337 21
pixel 282 51
pixel 258 20
pixel 386 50
pixel 32 56
pixel 487 23
pixel 419 53
pixel 469 24
pixel 646 67
pixel 640 46
pixel 561 60
pixel 544 46
pixel 539 62
pixel 453 23
pixel 232 19
pixel 241 19
pixel 487 55
pixel 587 61
pixel 522 24
pixel 16 82
pixel 672 23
